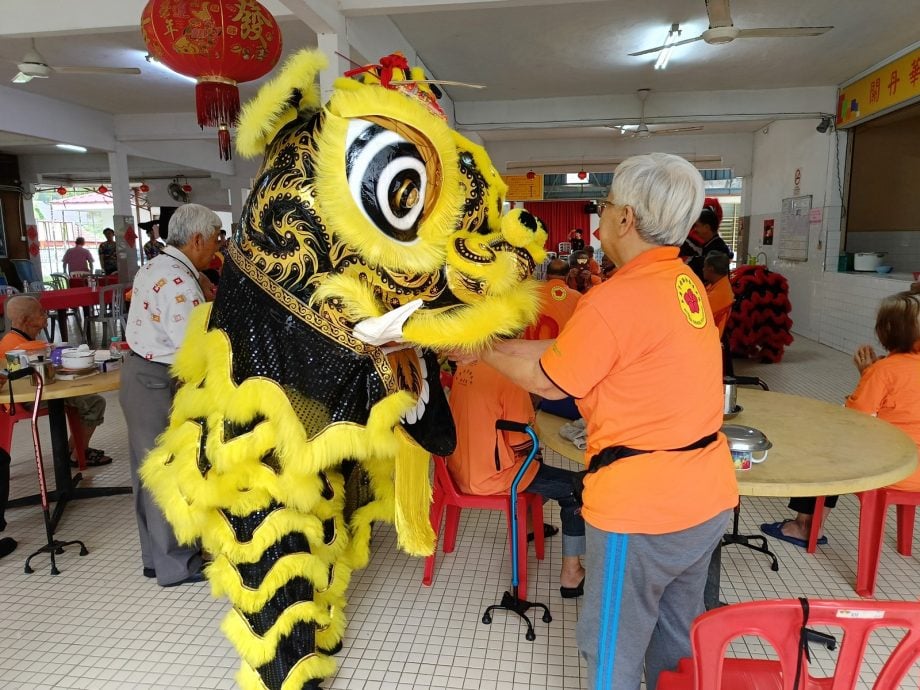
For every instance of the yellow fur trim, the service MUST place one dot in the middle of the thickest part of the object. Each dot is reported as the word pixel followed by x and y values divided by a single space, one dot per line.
pixel 271 109
pixel 496 188
pixel 413 499
pixel 471 327
pixel 519 235
pixel 357 296
pixel 444 197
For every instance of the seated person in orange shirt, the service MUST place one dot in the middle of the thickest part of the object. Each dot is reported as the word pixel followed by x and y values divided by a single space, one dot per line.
pixel 557 302
pixel 28 318
pixel 486 460
pixel 593 266
pixel 888 388
pixel 580 277
pixel 718 287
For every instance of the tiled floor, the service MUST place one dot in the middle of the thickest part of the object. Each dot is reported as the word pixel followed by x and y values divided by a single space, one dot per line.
pixel 101 625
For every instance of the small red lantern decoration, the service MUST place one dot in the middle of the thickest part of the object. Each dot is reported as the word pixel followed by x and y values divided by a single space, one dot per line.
pixel 143 188
pixel 218 42
pixel 102 189
pixel 531 175
pixel 62 190
pixel 187 188
pixel 582 175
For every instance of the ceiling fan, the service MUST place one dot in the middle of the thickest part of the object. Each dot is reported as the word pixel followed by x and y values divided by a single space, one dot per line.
pixel 34 66
pixel 641 130
pixel 722 30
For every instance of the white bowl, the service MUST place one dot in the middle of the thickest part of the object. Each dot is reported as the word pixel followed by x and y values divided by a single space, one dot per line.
pixel 73 358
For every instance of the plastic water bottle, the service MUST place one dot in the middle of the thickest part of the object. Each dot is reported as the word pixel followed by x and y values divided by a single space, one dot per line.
pixel 115 348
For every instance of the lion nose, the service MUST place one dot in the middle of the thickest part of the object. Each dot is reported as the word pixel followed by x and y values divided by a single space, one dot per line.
pixel 523 229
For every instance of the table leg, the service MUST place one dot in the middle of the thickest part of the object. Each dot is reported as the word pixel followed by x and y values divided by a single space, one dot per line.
pixel 61 316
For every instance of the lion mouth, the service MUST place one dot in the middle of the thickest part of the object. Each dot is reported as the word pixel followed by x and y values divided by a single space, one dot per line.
pixel 415 414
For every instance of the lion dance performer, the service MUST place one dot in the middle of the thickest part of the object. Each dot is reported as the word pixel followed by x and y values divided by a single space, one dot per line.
pixel 369 217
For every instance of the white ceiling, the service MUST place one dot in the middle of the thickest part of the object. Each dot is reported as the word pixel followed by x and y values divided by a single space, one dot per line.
pixel 518 49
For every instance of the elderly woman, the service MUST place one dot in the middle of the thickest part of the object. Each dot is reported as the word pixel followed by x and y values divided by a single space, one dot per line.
pixel 660 483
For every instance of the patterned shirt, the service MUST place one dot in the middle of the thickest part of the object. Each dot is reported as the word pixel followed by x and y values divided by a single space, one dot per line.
pixel 108 257
pixel 165 292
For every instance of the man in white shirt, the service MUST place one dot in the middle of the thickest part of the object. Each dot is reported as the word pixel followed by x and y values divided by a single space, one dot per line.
pixel 166 289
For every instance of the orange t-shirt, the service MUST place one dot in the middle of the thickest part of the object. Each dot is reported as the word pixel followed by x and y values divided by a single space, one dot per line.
pixel 479 397
pixel 721 298
pixel 890 390
pixel 12 341
pixel 624 355
pixel 557 304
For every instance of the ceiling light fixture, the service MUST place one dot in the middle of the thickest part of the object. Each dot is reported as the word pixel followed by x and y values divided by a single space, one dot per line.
pixel 159 65
pixel 665 54
pixel 72 147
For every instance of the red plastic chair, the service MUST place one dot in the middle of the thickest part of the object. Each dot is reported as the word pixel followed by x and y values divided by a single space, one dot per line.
pixel 778 623
pixel 873 509
pixel 448 498
pixel 8 421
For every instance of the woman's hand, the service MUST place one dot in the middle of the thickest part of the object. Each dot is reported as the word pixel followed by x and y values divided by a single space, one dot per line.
pixel 864 358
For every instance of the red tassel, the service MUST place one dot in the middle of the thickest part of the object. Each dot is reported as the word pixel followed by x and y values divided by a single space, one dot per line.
pixel 217 102
pixel 223 142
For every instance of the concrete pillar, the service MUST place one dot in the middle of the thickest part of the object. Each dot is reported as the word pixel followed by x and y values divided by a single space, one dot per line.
pixel 329 45
pixel 123 220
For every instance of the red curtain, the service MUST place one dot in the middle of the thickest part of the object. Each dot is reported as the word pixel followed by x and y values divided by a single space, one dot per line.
pixel 560 218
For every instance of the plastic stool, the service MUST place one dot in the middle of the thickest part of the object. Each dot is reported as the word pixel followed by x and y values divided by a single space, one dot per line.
pixel 872 512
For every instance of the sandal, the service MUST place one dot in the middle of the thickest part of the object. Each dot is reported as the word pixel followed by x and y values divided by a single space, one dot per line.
pixel 775 530
pixel 548 531
pixel 94 458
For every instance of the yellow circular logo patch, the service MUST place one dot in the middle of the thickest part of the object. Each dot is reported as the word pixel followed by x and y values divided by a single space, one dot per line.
pixel 691 301
pixel 558 293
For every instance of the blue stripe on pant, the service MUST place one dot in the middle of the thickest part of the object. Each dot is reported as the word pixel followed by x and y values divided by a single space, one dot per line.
pixel 611 597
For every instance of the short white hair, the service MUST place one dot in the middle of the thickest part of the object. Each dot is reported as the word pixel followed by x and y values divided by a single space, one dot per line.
pixel 665 192
pixel 190 220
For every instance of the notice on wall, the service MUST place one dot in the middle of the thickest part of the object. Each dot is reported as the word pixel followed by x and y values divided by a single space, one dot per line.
pixel 793 228
pixel 520 188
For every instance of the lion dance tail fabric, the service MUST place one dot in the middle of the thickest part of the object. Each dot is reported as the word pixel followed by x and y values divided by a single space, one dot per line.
pixel 289 436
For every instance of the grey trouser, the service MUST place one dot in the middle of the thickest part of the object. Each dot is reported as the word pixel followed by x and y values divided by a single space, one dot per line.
pixel 146 397
pixel 642 592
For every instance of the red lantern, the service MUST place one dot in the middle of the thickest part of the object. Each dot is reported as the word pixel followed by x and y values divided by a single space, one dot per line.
pixel 531 175
pixel 62 190
pixel 582 175
pixel 102 189
pixel 143 188
pixel 218 42
pixel 187 188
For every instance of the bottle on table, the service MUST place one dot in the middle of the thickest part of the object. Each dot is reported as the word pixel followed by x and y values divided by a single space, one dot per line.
pixel 115 348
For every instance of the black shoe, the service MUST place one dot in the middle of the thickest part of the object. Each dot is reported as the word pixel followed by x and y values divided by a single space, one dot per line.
pixel 150 572
pixel 191 579
pixel 7 546
pixel 573 592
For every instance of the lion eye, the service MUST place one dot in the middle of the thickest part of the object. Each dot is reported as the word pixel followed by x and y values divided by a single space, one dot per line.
pixel 387 179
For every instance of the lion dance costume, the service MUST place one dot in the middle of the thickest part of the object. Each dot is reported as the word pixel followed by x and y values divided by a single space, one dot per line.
pixel 361 206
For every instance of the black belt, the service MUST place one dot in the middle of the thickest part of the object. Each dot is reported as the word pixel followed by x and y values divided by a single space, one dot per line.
pixel 610 455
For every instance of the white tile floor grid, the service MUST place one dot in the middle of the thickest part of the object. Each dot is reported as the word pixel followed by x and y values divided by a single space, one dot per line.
pixel 101 625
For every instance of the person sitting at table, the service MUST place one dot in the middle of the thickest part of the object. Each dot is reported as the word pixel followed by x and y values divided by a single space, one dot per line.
pixel 78 258
pixel 704 237
pixel 718 287
pixel 888 388
pixel 28 319
pixel 580 277
pixel 557 302
pixel 486 461
pixel 108 256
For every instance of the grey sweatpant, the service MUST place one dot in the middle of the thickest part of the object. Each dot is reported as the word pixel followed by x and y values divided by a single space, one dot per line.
pixel 146 397
pixel 642 592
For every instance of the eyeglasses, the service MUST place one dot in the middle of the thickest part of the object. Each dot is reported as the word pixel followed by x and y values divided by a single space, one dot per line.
pixel 601 205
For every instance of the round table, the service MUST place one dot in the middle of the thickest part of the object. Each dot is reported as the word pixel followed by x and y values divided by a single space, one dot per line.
pixel 54 395
pixel 819 449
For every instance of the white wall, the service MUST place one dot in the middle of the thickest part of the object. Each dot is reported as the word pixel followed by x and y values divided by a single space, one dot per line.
pixel 837 309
